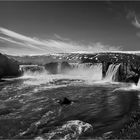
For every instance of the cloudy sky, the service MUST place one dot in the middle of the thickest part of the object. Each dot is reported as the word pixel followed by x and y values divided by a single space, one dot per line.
pixel 42 27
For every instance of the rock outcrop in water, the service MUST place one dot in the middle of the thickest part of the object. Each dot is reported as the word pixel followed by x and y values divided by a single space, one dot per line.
pixel 8 67
pixel 64 101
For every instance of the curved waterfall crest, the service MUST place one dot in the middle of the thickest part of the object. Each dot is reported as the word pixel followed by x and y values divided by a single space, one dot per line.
pixel 84 71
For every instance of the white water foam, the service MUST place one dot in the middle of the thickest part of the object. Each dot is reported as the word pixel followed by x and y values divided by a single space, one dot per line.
pixel 71 130
pixel 132 86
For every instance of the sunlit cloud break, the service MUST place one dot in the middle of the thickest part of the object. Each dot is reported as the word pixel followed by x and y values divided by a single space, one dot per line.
pixel 49 45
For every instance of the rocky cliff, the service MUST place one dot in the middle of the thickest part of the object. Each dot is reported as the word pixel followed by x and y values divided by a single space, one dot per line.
pixel 8 67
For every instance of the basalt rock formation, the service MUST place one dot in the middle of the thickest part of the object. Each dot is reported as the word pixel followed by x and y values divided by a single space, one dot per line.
pixel 8 67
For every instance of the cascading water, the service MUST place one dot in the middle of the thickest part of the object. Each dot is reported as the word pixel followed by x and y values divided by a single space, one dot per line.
pixel 32 70
pixel 87 71
pixel 111 73
pixel 84 72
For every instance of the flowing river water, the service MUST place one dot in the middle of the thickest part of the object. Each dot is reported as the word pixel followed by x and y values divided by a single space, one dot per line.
pixel 31 106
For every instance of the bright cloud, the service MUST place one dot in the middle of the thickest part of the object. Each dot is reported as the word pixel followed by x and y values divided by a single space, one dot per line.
pixel 38 46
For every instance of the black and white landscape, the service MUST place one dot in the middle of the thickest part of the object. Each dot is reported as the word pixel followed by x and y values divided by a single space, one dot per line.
pixel 69 70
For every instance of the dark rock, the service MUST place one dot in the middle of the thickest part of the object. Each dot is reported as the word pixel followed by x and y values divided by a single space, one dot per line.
pixel 65 101
pixel 133 79
pixel 8 67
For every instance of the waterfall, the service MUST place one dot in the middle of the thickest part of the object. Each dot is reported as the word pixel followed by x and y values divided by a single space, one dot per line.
pixel 36 75
pixel 111 73
pixel 59 68
pixel 84 71
pixel 32 70
pixel 87 71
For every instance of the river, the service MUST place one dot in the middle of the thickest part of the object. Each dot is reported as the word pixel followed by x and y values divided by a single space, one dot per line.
pixel 32 106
